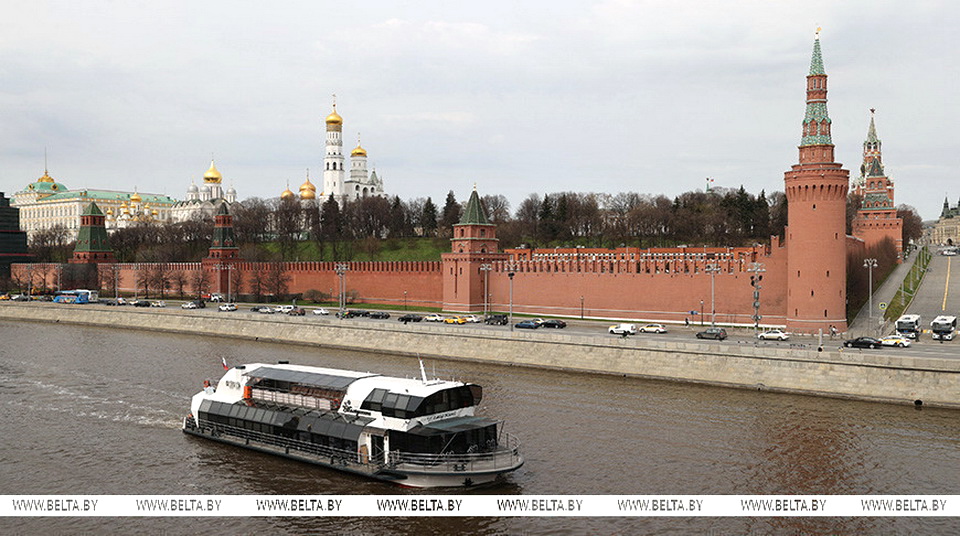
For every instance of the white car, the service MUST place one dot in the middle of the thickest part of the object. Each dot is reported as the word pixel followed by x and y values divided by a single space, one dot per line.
pixel 623 329
pixel 283 309
pixel 472 319
pixel 189 305
pixel 653 328
pixel 773 335
pixel 895 340
pixel 433 318
pixel 158 303
pixel 227 307
pixel 321 311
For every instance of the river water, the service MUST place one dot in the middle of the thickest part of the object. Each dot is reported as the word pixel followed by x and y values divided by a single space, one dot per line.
pixel 97 411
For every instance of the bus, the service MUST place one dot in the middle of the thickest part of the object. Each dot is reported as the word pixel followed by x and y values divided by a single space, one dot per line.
pixel 909 326
pixel 77 296
pixel 943 327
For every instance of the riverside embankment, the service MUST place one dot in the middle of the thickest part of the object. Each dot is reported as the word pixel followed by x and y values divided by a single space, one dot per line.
pixel 875 376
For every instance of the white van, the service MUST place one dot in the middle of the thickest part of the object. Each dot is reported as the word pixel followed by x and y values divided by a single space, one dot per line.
pixel 283 309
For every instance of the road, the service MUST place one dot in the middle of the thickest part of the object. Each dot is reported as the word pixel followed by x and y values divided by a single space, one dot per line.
pixel 939 293
pixel 591 328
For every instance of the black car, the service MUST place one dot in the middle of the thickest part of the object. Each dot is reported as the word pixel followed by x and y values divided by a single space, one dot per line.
pixel 863 342
pixel 410 317
pixel 359 312
pixel 256 308
pixel 553 323
pixel 141 303
pixel 496 320
pixel 713 333
pixel 383 315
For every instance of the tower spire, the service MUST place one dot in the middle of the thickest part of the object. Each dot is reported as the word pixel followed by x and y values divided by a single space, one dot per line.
pixel 816 120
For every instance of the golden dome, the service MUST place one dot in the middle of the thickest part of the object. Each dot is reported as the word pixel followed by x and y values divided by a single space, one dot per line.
pixel 123 205
pixel 212 176
pixel 154 212
pixel 307 186
pixel 46 177
pixel 359 151
pixel 286 194
pixel 135 198
pixel 109 212
pixel 126 209
pixel 334 118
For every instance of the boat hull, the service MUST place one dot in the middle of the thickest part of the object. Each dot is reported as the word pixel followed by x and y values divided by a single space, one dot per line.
pixel 407 475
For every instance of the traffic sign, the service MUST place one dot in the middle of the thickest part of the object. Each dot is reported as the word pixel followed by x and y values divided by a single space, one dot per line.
pixel 882 305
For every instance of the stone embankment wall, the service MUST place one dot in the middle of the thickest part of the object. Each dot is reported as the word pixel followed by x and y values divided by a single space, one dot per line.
pixel 863 375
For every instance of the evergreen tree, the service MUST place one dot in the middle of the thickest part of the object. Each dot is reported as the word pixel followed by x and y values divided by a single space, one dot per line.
pixel 451 213
pixel 428 219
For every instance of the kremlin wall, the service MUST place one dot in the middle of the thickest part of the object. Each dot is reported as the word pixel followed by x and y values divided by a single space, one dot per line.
pixel 798 283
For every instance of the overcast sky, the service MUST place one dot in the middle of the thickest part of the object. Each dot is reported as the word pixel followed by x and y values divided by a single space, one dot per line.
pixel 517 97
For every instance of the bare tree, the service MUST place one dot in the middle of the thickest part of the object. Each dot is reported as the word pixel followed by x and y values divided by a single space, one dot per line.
pixel 178 280
pixel 276 279
pixel 200 281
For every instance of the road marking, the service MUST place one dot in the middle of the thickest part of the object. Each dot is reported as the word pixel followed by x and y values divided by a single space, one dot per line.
pixel 946 288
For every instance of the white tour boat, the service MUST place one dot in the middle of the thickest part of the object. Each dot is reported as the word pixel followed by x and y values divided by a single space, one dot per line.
pixel 414 432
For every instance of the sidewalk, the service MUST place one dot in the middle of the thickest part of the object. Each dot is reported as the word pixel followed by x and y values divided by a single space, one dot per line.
pixel 865 326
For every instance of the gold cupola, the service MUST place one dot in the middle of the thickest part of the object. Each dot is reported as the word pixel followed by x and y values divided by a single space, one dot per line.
pixel 135 197
pixel 287 194
pixel 307 189
pixel 334 118
pixel 212 176
pixel 358 151
pixel 46 177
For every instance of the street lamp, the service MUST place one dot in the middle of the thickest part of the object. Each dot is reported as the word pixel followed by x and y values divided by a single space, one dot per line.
pixel 701 313
pixel 404 300
pixel 510 274
pixel 341 269
pixel 229 268
pixel 485 268
pixel 713 269
pixel 757 269
pixel 581 307
pixel 870 264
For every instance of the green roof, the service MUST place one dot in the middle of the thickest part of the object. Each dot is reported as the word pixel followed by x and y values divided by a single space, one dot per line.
pixel 92 210
pixel 473 214
pixel 816 62
pixel 109 195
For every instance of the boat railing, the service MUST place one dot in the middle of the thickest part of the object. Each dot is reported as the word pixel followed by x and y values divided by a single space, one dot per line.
pixel 331 455
pixel 287 398
pixel 506 455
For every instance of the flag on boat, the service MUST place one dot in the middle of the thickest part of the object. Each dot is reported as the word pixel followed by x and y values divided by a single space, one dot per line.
pixel 224 361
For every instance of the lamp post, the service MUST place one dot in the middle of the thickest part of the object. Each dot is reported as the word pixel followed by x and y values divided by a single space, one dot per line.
pixel 510 274
pixel 712 269
pixel 870 264
pixel 116 282
pixel 59 272
pixel 757 269
pixel 341 269
pixel 581 307
pixel 701 313
pixel 485 268
pixel 229 267
pixel 404 300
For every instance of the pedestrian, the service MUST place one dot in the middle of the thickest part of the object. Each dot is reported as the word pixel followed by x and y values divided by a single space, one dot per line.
pixel 686 321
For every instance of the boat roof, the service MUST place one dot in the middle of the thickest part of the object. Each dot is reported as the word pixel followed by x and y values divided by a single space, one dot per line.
pixel 447 426
pixel 333 379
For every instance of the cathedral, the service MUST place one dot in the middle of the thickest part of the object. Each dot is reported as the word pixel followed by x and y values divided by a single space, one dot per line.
pixel 202 202
pixel 337 181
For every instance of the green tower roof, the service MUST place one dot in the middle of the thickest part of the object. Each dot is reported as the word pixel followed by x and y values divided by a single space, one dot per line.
pixel 816 62
pixel 93 238
pixel 473 214
pixel 92 210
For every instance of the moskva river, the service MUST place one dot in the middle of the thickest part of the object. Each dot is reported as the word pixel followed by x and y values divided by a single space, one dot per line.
pixel 98 411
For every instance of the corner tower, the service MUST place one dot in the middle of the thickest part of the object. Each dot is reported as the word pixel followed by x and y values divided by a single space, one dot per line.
pixel 474 244
pixel 93 244
pixel 816 190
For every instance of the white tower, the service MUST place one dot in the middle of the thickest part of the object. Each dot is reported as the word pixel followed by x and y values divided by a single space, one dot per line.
pixel 333 171
pixel 358 172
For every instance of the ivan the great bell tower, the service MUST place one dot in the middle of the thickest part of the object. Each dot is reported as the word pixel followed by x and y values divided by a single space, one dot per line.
pixel 816 190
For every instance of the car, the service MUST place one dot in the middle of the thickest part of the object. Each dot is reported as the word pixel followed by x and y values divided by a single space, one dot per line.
pixel 623 329
pixel 538 321
pixel 712 333
pixel 773 335
pixel 553 323
pixel 158 303
pixel 4 297
pixel 653 328
pixel 141 303
pixel 863 342
pixel 256 308
pixel 217 298
pixel 226 307
pixel 410 317
pixel 433 318
pixel 283 309
pixel 472 319
pixel 360 312
pixel 526 324
pixel 895 340
pixel 190 305
pixel 20 297
pixel 382 315
pixel 347 314
pixel 321 311
pixel 121 301
pixel 296 311
pixel 496 320
pixel 455 320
